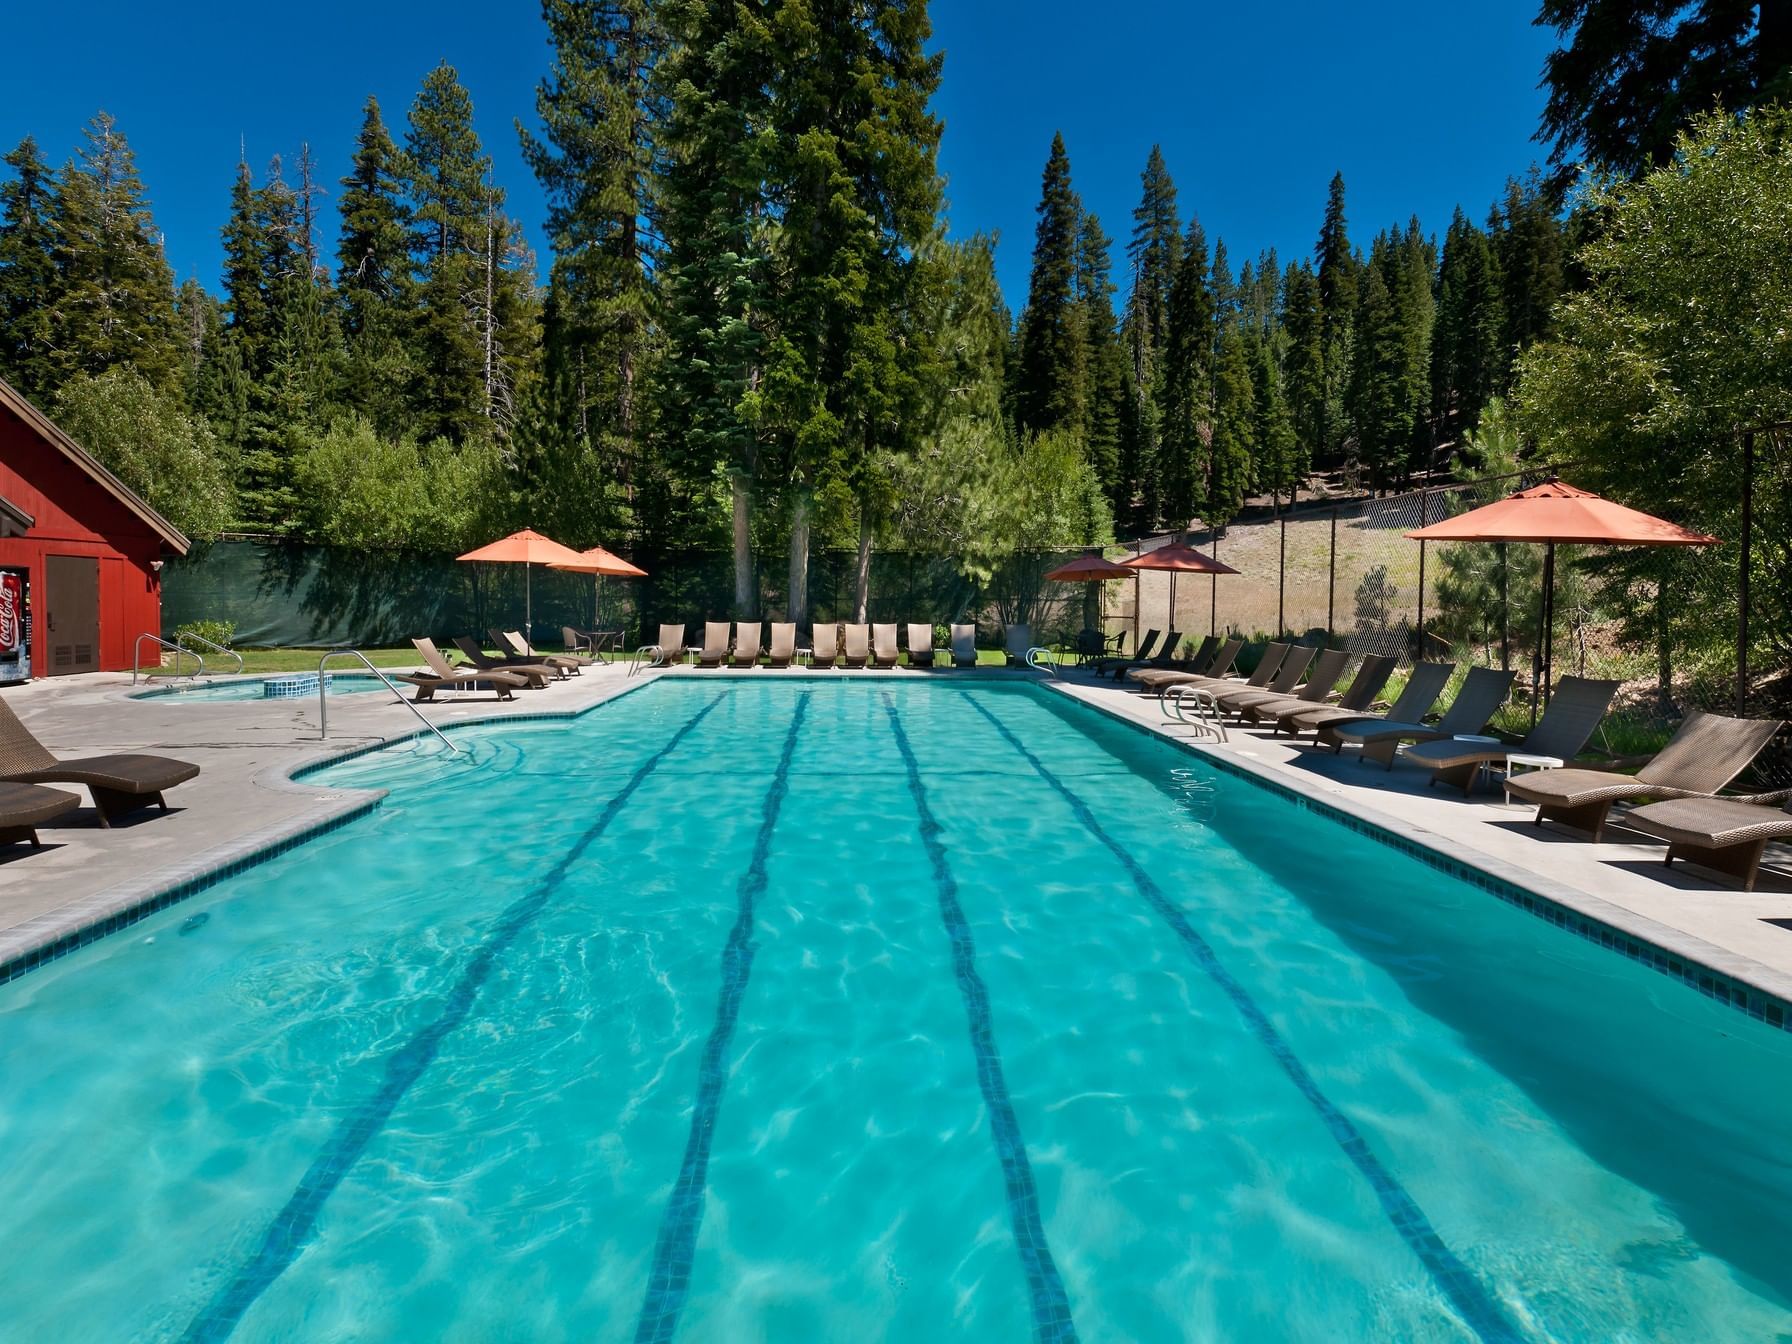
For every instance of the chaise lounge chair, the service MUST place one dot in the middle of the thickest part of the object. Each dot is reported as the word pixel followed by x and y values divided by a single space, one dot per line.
pixel 1371 675
pixel 1724 834
pixel 1424 684
pixel 747 635
pixel 1479 699
pixel 1159 680
pixel 1218 668
pixel 25 807
pixel 858 644
pixel 1016 640
pixel 511 644
pixel 669 649
pixel 1146 650
pixel 120 784
pixel 1574 712
pixel 783 650
pixel 1327 667
pixel 1293 664
pixel 443 675
pixel 536 674
pixel 1705 753
pixel 884 652
pixel 826 639
pixel 1164 659
pixel 715 644
pixel 920 644
pixel 964 645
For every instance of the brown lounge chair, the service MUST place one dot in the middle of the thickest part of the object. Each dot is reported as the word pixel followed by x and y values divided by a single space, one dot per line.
pixel 1705 753
pixel 783 650
pixel 1321 677
pixel 1724 834
pixel 536 674
pixel 120 784
pixel 1120 664
pixel 858 645
pixel 920 644
pixel 668 649
pixel 1424 684
pixel 964 645
pixel 1157 680
pixel 25 807
pixel 1478 700
pixel 1371 675
pixel 826 642
pixel 715 644
pixel 884 652
pixel 1288 674
pixel 443 675
pixel 1217 667
pixel 747 635
pixel 511 644
pixel 1016 640
pixel 1574 712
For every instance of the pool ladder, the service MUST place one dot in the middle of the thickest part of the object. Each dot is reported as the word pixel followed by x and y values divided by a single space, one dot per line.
pixel 323 697
pixel 1040 661
pixel 181 640
pixel 176 648
pixel 1177 701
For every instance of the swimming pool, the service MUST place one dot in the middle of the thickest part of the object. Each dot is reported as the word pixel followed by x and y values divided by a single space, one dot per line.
pixel 287 686
pixel 836 1010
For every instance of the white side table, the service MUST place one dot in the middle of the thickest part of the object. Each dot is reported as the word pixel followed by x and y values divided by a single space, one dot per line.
pixel 1519 761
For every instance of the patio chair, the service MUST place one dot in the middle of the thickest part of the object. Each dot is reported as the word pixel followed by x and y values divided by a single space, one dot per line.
pixel 1157 679
pixel 715 644
pixel 511 644
pixel 783 650
pixel 884 652
pixel 1478 700
pixel 536 674
pixel 1423 685
pixel 120 784
pixel 25 807
pixel 1218 668
pixel 858 644
pixel 1147 649
pixel 1197 661
pixel 747 635
pixel 1574 712
pixel 1371 675
pixel 964 645
pixel 1016 640
pixel 443 675
pixel 1724 834
pixel 826 639
pixel 1705 753
pixel 1327 667
pixel 1293 662
pixel 920 644
pixel 669 648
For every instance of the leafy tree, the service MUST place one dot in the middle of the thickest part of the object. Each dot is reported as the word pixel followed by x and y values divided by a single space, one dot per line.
pixel 369 492
pixel 171 459
pixel 1630 75
pixel 28 277
pixel 1053 364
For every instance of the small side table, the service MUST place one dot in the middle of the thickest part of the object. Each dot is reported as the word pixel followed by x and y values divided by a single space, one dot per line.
pixel 1518 761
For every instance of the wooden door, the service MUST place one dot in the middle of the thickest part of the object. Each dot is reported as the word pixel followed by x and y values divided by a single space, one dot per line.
pixel 72 613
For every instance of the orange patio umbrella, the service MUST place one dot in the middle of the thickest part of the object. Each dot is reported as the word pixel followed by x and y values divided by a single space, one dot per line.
pixel 1558 512
pixel 1094 568
pixel 525 548
pixel 601 564
pixel 1176 558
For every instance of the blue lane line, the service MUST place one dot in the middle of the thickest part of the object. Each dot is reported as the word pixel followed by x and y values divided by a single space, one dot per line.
pixel 669 1281
pixel 1452 1276
pixel 1051 1305
pixel 293 1227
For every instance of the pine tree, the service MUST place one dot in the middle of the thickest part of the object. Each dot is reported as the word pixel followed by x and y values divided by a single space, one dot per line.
pixel 1234 429
pixel 1378 400
pixel 373 280
pixel 1188 364
pixel 1303 364
pixel 115 303
pixel 245 274
pixel 1155 249
pixel 28 278
pixel 1049 386
pixel 1106 359
pixel 1466 358
pixel 1280 462
pixel 1528 247
pixel 1338 268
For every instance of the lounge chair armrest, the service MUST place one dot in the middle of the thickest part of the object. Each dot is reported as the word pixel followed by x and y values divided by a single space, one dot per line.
pixel 1777 796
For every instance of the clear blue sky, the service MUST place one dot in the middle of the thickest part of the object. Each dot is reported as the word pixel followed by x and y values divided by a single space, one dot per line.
pixel 1421 105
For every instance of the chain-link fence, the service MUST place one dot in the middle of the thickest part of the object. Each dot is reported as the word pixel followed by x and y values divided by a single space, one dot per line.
pixel 1663 622
pixel 280 594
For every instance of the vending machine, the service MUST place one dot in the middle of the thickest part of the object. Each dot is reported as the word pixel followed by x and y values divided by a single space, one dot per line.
pixel 15 624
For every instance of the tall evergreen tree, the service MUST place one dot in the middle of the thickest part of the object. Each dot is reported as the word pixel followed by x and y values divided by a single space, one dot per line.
pixel 1280 459
pixel 28 278
pixel 1303 366
pixel 1528 247
pixel 1106 390
pixel 1234 429
pixel 1188 362
pixel 1049 379
pixel 1155 248
pixel 373 280
pixel 1378 401
pixel 1466 343
pixel 1337 269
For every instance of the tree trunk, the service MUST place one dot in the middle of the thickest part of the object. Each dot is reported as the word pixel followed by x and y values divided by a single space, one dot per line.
pixel 743 543
pixel 861 574
pixel 797 608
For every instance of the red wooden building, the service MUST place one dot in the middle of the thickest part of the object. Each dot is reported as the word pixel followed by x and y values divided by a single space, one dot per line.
pixel 93 549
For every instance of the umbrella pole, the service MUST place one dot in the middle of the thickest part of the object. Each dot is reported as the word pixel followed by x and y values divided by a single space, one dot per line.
pixel 1549 618
pixel 528 608
pixel 1171 623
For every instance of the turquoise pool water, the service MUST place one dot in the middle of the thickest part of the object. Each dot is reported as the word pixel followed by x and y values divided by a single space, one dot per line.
pixel 254 688
pixel 822 1009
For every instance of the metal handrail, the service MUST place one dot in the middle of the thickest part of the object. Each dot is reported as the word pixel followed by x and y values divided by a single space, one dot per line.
pixel 1036 659
pixel 182 638
pixel 659 657
pixel 1209 717
pixel 323 697
pixel 137 657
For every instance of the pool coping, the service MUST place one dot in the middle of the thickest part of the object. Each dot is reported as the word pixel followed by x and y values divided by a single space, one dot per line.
pixel 1755 990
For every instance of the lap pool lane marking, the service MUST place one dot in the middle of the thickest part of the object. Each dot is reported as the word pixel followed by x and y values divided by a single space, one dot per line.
pixel 1052 1322
pixel 293 1227
pixel 1454 1278
pixel 669 1281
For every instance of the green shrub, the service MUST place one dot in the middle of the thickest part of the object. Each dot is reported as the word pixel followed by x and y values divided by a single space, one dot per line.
pixel 218 632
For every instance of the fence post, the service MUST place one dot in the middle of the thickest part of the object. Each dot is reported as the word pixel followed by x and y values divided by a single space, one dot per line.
pixel 1424 518
pixel 1213 599
pixel 1748 523
pixel 1282 584
pixel 1331 583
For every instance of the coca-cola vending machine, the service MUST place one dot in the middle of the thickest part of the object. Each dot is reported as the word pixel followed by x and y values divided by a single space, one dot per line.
pixel 15 624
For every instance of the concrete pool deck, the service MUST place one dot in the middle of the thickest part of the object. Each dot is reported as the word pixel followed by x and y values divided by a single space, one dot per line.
pixel 244 802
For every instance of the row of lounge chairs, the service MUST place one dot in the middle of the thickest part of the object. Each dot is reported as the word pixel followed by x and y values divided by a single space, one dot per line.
pixel 1685 780
pixel 856 645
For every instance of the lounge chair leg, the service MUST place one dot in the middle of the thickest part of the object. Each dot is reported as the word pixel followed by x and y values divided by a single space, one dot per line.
pixel 1589 817
pixel 1742 862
